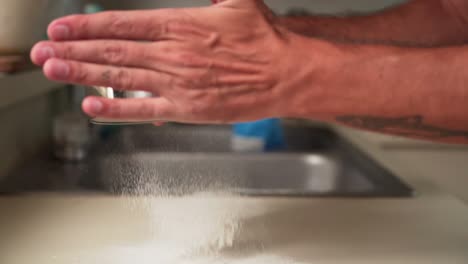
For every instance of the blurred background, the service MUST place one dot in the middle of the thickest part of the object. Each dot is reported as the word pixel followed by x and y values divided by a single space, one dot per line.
pixel 42 120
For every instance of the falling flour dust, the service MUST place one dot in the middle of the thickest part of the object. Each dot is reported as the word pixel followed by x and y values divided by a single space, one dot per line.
pixel 203 228
pixel 194 228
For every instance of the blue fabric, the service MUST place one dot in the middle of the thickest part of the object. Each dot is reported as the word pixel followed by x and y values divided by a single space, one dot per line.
pixel 269 130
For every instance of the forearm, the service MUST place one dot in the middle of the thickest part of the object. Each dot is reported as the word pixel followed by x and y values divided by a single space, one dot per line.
pixel 419 93
pixel 417 23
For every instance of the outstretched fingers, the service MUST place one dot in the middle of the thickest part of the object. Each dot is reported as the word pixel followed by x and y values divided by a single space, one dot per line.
pixel 120 78
pixel 144 109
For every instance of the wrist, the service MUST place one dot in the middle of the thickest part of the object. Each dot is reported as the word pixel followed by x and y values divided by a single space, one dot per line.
pixel 297 24
pixel 333 80
pixel 308 79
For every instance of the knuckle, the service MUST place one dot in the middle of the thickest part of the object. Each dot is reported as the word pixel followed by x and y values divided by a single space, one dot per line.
pixel 202 79
pixel 183 82
pixel 176 26
pixel 123 80
pixel 202 101
pixel 195 108
pixel 79 73
pixel 208 77
pixel 114 54
pixel 159 30
pixel 120 24
pixel 81 22
pixel 172 82
pixel 189 59
pixel 68 51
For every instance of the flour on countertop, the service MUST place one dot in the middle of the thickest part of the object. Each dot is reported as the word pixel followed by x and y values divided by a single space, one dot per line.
pixel 189 228
pixel 198 229
pixel 194 222
pixel 201 224
pixel 162 253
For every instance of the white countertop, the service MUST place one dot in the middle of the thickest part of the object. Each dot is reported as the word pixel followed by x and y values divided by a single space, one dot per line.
pixel 430 228
pixel 429 167
pixel 104 230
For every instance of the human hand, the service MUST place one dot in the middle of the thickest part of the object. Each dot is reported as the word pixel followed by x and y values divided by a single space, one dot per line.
pixel 220 64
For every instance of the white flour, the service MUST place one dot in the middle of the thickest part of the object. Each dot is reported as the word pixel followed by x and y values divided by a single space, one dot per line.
pixel 198 229
pixel 202 228
pixel 162 254
pixel 196 224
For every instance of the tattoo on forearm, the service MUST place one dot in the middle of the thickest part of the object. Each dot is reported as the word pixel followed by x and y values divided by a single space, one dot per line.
pixel 411 126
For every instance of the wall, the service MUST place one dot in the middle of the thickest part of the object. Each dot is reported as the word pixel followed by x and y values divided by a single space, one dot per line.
pixel 26 129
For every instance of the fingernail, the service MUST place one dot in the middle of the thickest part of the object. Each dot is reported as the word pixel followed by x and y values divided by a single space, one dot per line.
pixel 60 70
pixel 60 32
pixel 45 53
pixel 95 106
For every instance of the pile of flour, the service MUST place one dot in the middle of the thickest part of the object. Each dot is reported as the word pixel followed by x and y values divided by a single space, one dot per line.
pixel 204 228
pixel 197 224
pixel 156 254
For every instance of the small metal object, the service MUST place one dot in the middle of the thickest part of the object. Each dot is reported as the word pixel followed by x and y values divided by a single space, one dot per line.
pixel 110 93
